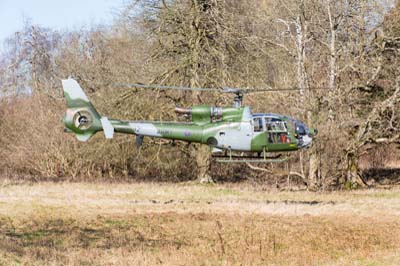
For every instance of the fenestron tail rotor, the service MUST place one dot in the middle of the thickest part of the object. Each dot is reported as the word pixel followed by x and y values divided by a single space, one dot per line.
pixel 83 120
pixel 81 117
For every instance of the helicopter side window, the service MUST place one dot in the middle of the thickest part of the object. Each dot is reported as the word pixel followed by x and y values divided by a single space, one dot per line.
pixel 275 126
pixel 258 127
pixel 277 131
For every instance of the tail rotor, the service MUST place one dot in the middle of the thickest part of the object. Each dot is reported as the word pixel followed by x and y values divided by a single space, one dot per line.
pixel 81 117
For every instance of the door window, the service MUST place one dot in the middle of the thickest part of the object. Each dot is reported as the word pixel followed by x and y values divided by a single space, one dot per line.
pixel 258 127
pixel 275 126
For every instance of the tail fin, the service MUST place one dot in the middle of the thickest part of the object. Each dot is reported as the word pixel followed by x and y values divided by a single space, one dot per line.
pixel 81 117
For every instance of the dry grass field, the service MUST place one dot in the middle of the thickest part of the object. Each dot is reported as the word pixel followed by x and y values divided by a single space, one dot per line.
pixel 188 224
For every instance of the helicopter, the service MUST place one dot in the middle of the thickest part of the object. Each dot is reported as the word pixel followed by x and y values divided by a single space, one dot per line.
pixel 227 130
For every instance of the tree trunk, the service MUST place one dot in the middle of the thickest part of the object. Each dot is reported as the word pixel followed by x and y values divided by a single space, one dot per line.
pixel 314 171
pixel 332 50
pixel 353 176
pixel 203 164
pixel 202 155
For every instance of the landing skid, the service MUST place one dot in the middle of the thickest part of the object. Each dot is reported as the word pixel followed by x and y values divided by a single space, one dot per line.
pixel 245 160
pixel 231 158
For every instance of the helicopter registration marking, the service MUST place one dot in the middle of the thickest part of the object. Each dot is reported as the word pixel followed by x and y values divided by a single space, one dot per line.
pixel 146 129
pixel 164 132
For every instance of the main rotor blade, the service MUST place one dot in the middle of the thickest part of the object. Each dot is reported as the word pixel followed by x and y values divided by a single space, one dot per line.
pixel 248 90
pixel 222 89
pixel 163 87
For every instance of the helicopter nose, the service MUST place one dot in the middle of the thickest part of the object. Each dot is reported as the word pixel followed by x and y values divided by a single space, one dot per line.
pixel 307 140
pixel 312 132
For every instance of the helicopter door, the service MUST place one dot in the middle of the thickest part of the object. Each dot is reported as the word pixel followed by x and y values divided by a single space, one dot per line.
pixel 277 132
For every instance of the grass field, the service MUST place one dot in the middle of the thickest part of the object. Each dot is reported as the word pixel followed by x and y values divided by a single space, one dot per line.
pixel 188 224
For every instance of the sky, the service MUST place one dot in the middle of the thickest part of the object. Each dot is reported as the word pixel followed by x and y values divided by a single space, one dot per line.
pixel 56 14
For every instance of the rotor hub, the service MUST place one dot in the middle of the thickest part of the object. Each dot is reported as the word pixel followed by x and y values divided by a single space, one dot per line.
pixel 238 99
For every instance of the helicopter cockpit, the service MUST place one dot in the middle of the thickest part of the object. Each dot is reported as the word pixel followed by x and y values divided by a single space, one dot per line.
pixel 303 133
pixel 278 129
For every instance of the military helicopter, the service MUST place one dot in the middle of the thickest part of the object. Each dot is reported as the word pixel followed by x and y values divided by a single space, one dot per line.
pixel 227 130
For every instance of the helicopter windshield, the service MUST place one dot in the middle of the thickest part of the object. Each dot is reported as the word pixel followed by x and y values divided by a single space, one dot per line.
pixel 300 128
pixel 302 133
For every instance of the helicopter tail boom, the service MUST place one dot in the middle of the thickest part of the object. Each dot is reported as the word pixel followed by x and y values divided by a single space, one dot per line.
pixel 81 117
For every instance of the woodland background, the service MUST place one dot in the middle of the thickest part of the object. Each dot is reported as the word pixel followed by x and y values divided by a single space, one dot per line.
pixel 349 49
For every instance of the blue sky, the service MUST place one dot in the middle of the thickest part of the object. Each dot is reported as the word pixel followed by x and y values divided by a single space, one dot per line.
pixel 57 14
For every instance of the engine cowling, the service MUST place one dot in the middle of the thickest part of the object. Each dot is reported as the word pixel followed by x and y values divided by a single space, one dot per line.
pixel 207 114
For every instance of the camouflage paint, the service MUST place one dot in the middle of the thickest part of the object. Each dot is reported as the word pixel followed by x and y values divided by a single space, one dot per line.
pixel 224 128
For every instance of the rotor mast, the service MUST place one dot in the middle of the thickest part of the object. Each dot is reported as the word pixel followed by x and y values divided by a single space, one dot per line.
pixel 238 99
